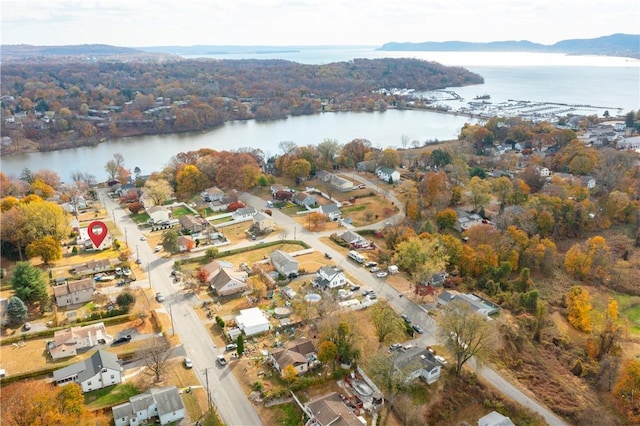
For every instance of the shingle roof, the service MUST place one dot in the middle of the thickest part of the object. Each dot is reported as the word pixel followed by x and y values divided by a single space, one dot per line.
pixel 89 367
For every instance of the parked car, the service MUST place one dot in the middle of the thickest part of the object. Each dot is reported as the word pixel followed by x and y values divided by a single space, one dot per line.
pixel 406 318
pixel 138 261
pixel 187 363
pixel 118 271
pixel 370 264
pixel 374 269
pixel 366 292
pixel 221 360
pixel 354 288
pixel 143 238
pixel 159 297
pixel 121 283
pixel 126 272
pixel 158 248
pixel 372 296
pixel 381 274
pixel 231 347
pixel 440 359
pixel 121 339
pixel 418 329
pixel 328 255
pixel 26 326
pixel 395 347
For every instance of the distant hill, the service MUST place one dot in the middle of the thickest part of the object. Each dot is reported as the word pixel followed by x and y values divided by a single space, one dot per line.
pixel 74 50
pixel 627 45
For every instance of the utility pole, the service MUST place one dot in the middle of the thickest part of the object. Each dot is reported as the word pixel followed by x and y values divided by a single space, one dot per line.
pixel 173 329
pixel 206 375
pixel 149 273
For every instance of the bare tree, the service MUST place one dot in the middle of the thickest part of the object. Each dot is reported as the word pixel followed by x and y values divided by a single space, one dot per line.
pixel 465 333
pixel 156 354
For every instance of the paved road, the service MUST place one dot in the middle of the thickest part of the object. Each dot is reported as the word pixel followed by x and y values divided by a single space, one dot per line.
pixel 232 404
pixel 227 395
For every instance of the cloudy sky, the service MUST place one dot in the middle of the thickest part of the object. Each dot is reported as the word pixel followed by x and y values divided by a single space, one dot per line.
pixel 309 22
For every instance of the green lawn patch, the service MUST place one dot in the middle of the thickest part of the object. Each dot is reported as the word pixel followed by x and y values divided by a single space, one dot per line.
pixel 629 308
pixel 288 414
pixel 108 397
pixel 180 211
pixel 141 217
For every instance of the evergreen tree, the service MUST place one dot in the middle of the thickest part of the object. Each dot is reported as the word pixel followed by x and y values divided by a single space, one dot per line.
pixel 240 345
pixel 16 310
pixel 29 284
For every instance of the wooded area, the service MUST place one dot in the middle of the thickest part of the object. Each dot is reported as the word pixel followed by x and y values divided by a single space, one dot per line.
pixel 48 105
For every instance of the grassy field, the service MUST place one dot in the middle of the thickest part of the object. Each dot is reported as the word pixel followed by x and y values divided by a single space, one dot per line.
pixel 110 396
pixel 629 308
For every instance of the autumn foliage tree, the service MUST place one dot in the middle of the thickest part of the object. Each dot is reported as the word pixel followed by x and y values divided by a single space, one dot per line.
pixel 37 403
pixel 579 308
pixel 47 248
pixel 627 389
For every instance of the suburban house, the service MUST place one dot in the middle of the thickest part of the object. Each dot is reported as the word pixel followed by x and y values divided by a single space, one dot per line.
pixel 629 143
pixel 193 224
pixel 276 187
pixel 96 372
pixel 185 243
pixel 387 173
pixel 588 182
pixel 85 242
pixel 263 223
pixel 158 215
pixel 419 363
pixel 243 214
pixel 466 221
pixel 437 279
pixel 301 355
pixel 74 292
pixel 329 277
pixel 475 303
pixel 355 240
pixel 495 419
pixel 331 211
pixel 164 403
pixel 366 166
pixel 92 267
pixel 224 279
pixel 340 183
pixel 284 263
pixel 330 409
pixel 252 321
pixel 212 194
pixel 304 200
pixel 69 341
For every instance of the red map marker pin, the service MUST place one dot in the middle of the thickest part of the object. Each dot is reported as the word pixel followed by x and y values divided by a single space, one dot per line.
pixel 97 232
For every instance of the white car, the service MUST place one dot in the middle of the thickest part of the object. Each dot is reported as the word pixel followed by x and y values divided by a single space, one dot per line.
pixel 126 272
pixel 188 363
pixel 143 238
pixel 441 359
pixel 374 269
pixel 157 249
pixel 118 271
pixel 381 274
pixel 221 360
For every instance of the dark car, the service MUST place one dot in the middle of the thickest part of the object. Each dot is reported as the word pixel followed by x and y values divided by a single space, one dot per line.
pixel 328 255
pixel 418 329
pixel 122 339
pixel 355 288
pixel 395 347
pixel 406 318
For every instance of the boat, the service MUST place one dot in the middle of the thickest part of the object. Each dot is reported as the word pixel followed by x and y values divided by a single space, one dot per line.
pixel 482 97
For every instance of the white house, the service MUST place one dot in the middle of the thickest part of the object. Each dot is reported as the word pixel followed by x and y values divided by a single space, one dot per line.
pixel 244 213
pixel 212 194
pixel 301 355
pixel 92 267
pixel 355 240
pixel 386 173
pixel 284 263
pixel 86 243
pixel 329 277
pixel 164 403
pixel 332 211
pixel 304 200
pixel 73 292
pixel 420 363
pixel 263 223
pixel 96 372
pixel 67 342
pixel 544 172
pixel 158 215
pixel 252 321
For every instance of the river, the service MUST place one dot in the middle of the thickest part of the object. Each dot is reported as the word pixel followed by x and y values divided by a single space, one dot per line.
pixel 590 80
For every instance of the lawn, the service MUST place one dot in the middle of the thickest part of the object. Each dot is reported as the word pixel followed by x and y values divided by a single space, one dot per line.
pixel 139 218
pixel 629 308
pixel 178 212
pixel 108 397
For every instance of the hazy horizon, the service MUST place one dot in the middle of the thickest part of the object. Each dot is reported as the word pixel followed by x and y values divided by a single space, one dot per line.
pixel 275 23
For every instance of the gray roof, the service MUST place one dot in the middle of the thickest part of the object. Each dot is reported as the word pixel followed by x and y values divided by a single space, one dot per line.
pixel 281 258
pixel 329 208
pixel 245 211
pixel 167 399
pixel 89 367
pixel 417 358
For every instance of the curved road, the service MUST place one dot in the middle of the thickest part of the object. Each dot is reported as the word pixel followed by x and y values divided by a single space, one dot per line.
pixel 231 402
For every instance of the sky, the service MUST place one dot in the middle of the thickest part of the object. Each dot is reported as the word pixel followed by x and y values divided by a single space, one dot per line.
pixel 141 23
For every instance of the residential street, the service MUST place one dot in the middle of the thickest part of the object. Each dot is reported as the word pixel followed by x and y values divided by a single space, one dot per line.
pixel 232 404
